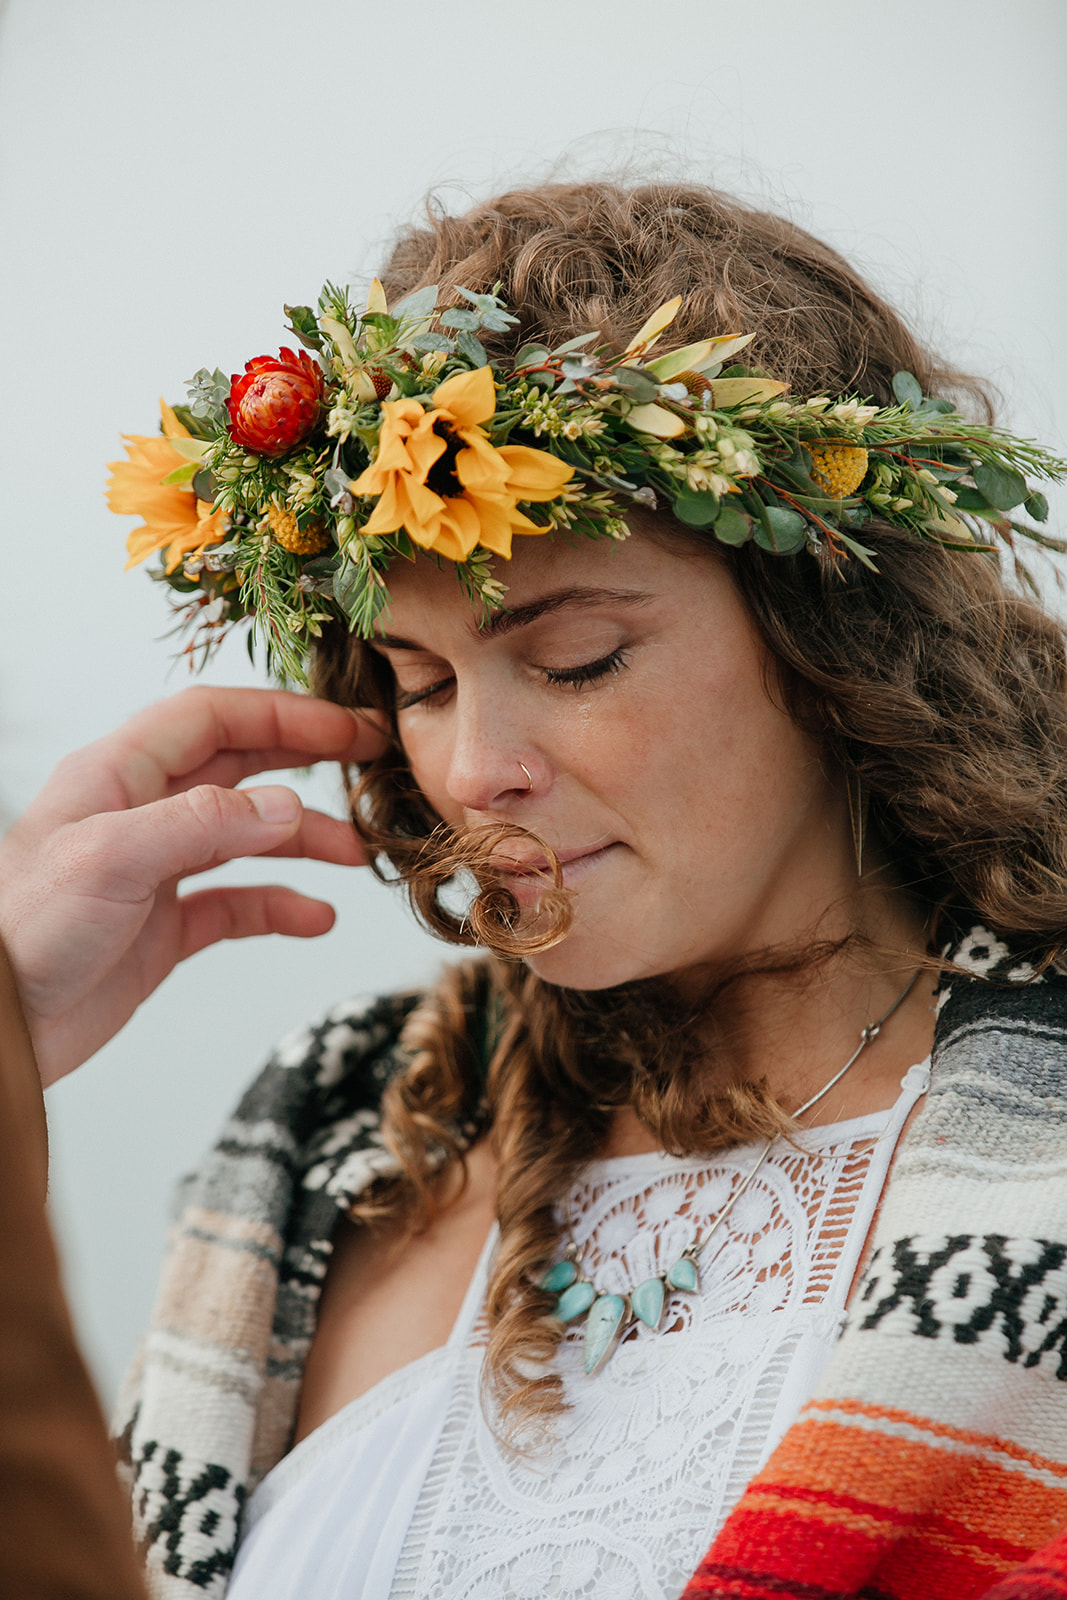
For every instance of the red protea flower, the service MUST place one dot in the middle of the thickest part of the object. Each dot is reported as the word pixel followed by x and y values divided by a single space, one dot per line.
pixel 275 403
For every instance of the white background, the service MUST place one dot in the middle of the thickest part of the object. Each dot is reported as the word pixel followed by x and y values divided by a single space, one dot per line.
pixel 171 173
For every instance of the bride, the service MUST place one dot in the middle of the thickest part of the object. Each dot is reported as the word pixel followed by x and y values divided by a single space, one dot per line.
pixel 674 1236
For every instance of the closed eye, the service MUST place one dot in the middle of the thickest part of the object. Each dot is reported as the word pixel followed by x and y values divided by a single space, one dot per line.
pixel 589 672
pixel 415 697
pixel 572 677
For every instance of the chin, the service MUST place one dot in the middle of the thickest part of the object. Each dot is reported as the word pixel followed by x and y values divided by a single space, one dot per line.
pixel 582 962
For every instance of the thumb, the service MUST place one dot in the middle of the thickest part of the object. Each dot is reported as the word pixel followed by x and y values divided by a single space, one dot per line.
pixel 130 853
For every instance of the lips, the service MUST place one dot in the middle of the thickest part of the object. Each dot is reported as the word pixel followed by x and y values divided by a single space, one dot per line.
pixel 536 869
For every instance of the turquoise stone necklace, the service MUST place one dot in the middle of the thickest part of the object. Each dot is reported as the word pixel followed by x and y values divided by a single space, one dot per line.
pixel 608 1316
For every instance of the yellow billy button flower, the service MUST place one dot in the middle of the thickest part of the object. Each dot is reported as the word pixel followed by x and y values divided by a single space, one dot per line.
pixel 173 519
pixel 837 466
pixel 437 476
pixel 306 541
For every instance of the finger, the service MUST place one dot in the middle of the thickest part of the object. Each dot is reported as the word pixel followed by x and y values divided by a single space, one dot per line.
pixel 124 856
pixel 323 838
pixel 231 767
pixel 318 838
pixel 212 915
pixel 176 737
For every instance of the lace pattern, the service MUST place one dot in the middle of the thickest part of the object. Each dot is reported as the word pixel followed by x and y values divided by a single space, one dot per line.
pixel 630 1487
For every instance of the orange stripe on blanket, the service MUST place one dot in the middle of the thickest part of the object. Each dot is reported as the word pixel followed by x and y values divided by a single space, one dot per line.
pixel 940 1430
pixel 897 1485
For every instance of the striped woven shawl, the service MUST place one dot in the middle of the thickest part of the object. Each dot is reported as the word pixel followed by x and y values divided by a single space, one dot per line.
pixel 931 1464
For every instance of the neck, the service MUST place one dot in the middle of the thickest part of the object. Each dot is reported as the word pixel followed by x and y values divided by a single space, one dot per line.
pixel 793 1031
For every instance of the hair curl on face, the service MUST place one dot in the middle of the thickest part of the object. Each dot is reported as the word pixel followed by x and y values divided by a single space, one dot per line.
pixel 933 681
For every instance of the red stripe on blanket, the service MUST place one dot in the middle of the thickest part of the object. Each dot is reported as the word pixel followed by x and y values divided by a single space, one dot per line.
pixel 843 1513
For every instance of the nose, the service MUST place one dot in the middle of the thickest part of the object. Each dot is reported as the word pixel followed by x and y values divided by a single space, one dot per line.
pixel 494 762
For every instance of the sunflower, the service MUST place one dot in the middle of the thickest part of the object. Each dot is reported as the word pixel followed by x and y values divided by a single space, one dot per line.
pixel 174 519
pixel 437 476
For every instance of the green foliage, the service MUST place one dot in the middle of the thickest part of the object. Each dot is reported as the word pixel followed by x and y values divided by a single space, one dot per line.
pixel 744 473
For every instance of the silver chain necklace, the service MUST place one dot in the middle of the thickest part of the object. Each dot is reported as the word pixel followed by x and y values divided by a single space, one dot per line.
pixel 610 1315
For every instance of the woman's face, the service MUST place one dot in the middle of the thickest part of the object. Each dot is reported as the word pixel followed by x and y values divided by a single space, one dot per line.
pixel 694 820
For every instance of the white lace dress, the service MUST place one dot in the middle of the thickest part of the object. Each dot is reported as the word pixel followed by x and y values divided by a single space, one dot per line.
pixel 407 1493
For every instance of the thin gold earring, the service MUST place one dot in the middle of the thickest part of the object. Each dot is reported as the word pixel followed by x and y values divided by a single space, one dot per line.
pixel 858 805
pixel 529 780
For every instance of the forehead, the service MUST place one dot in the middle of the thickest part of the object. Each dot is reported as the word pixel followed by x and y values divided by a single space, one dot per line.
pixel 428 595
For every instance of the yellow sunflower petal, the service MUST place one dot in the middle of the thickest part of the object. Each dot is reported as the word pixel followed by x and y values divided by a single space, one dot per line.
pixel 172 428
pixel 534 474
pixel 480 468
pixel 460 529
pixel 469 397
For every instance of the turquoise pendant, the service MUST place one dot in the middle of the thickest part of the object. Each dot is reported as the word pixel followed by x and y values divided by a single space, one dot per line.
pixel 561 1276
pixel 683 1275
pixel 573 1301
pixel 647 1301
pixel 606 1321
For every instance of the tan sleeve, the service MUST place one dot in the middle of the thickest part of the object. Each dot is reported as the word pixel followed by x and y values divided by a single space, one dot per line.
pixel 64 1529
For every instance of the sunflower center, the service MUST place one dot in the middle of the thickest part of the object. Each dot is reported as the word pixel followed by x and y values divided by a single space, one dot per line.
pixel 441 477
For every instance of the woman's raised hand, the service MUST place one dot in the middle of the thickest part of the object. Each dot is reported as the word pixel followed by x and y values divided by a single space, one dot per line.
pixel 89 906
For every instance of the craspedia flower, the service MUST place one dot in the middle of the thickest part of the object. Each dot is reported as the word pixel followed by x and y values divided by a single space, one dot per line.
pixel 836 466
pixel 306 541
pixel 275 403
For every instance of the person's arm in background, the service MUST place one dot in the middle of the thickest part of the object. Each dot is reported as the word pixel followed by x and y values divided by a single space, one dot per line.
pixel 64 1531
pixel 93 921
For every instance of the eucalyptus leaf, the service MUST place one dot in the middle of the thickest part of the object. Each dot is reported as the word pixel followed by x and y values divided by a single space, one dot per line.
pixel 781 529
pixel 935 407
pixel 968 499
pixel 304 323
pixel 696 508
pixel 322 566
pixel 432 343
pixel 1036 506
pixel 907 390
pixel 456 318
pixel 575 344
pixel 531 355
pixel 638 385
pixel 418 305
pixel 204 485
pixel 733 526
pixel 472 348
pixel 1003 487
pixel 349 583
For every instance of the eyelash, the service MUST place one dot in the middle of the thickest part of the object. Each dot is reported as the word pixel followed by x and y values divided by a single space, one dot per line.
pixel 574 677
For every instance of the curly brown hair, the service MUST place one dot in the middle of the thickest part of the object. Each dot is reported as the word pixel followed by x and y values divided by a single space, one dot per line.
pixel 933 681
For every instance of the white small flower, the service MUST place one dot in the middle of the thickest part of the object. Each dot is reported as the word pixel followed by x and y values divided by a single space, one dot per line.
pixel 816 406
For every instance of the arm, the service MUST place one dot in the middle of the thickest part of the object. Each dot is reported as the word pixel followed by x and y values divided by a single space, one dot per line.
pixel 89 876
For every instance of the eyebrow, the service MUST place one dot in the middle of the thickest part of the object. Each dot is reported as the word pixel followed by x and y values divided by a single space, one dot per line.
pixel 503 622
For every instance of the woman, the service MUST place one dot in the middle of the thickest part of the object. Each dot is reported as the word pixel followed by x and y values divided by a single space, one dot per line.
pixel 520 1287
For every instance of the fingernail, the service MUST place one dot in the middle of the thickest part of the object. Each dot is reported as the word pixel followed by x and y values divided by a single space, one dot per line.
pixel 275 804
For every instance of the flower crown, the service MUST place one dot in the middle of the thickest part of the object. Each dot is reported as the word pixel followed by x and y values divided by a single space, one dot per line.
pixel 283 494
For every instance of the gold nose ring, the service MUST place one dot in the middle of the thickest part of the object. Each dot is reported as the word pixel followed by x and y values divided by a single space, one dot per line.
pixel 529 780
